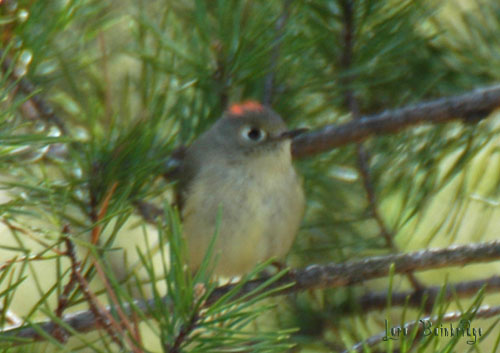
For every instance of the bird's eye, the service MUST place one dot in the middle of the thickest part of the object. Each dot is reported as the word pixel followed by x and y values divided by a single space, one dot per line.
pixel 253 134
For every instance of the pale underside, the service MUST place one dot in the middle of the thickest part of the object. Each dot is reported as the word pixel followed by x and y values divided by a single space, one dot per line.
pixel 260 206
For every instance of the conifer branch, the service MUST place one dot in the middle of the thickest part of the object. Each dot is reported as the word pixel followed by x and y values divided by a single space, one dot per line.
pixel 173 65
pixel 313 277
pixel 45 110
pixel 351 102
pixel 355 272
pixel 416 298
pixel 468 107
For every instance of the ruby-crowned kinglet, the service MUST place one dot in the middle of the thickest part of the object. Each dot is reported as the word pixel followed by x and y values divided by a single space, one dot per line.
pixel 241 166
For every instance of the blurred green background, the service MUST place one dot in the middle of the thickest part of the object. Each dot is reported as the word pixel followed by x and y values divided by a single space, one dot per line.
pixel 133 80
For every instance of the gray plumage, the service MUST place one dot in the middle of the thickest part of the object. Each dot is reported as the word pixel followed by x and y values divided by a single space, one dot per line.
pixel 242 168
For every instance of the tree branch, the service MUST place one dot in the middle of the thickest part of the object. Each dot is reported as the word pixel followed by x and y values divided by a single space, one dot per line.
pixel 351 103
pixel 415 298
pixel 467 107
pixel 313 277
pixel 46 111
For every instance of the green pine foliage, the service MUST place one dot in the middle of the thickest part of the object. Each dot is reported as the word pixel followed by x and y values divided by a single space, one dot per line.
pixel 133 80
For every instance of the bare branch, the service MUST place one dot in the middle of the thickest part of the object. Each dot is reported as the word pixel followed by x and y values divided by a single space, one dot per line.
pixel 468 106
pixel 354 272
pixel 416 298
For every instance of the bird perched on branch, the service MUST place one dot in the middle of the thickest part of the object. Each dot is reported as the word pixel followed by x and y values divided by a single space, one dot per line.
pixel 239 176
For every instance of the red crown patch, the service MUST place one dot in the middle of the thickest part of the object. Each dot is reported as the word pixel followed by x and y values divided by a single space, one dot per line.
pixel 239 109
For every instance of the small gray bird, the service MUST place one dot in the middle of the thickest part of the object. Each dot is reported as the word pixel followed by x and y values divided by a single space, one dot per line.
pixel 241 168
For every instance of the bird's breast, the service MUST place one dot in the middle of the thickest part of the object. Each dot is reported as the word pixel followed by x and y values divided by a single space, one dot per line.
pixel 258 206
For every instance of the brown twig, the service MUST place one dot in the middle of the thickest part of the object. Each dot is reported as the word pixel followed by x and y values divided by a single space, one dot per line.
pixel 63 300
pixel 16 229
pixel 312 277
pixel 96 231
pixel 102 316
pixel 96 216
pixel 124 319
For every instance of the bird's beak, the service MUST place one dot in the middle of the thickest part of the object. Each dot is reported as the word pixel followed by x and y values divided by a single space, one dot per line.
pixel 290 134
